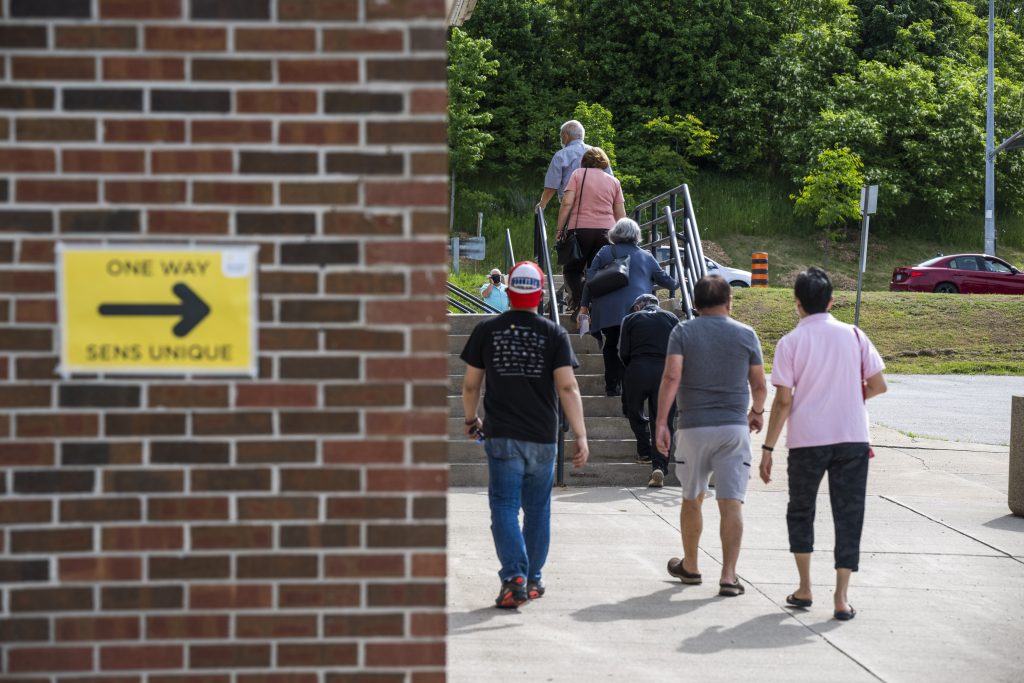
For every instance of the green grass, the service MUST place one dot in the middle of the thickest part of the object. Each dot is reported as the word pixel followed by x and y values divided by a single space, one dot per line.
pixel 744 214
pixel 915 333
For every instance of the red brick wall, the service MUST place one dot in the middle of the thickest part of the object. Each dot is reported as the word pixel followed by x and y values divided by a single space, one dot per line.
pixel 285 528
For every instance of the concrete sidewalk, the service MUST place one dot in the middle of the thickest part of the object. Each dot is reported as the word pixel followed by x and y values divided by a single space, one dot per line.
pixel 940 594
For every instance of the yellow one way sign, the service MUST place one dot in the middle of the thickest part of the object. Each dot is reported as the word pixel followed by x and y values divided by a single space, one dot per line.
pixel 172 310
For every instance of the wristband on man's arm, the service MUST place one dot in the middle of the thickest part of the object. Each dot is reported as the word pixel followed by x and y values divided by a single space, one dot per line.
pixel 767 448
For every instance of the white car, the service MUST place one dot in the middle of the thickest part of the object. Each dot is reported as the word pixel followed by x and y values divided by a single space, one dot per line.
pixel 734 276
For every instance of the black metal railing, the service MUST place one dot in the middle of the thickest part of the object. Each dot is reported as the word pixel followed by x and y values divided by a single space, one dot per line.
pixel 464 302
pixel 671 214
pixel 543 255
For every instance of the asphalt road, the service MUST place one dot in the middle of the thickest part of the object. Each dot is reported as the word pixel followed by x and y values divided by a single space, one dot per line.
pixel 970 408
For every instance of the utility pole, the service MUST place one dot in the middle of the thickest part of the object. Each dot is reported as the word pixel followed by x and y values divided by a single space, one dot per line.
pixel 990 135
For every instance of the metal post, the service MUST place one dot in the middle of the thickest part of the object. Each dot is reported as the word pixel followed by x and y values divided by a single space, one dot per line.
pixel 868 206
pixel 990 131
pixel 862 265
pixel 479 223
pixel 455 254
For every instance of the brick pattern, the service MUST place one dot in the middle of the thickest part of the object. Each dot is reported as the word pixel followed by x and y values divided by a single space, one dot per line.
pixel 289 527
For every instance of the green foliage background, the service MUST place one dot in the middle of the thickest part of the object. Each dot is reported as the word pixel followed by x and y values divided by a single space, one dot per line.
pixel 751 93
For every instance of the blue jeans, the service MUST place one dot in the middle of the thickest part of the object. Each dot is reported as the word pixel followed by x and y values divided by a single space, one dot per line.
pixel 521 476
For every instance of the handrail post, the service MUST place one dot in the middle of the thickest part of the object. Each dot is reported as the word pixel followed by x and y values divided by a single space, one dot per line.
pixel 510 257
pixel 685 288
pixel 540 245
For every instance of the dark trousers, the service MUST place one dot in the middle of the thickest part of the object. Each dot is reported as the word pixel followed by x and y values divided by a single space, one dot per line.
pixel 613 368
pixel 847 467
pixel 590 241
pixel 640 387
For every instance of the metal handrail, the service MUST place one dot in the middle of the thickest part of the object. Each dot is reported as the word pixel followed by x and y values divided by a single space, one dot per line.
pixel 510 257
pixel 686 252
pixel 469 301
pixel 543 254
pixel 685 283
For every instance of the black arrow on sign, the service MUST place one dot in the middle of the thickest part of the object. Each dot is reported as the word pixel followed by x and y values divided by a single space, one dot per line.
pixel 192 309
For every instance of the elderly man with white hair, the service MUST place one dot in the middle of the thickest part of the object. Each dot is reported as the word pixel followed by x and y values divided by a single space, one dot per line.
pixel 565 161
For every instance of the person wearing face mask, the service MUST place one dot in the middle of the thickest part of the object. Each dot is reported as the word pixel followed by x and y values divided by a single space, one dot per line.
pixel 493 291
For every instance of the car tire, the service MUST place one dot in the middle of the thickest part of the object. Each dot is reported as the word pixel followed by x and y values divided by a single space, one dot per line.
pixel 738 283
pixel 946 288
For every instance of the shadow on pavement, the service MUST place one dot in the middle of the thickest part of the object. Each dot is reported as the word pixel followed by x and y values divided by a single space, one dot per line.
pixel 767 631
pixel 465 623
pixel 657 605
pixel 1006 523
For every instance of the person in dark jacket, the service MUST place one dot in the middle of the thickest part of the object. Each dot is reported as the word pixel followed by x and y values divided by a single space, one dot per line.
pixel 606 312
pixel 643 341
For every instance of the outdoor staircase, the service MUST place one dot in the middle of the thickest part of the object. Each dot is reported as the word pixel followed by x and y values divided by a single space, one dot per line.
pixel 612 445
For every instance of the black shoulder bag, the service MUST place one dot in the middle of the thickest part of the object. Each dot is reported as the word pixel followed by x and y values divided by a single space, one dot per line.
pixel 567 247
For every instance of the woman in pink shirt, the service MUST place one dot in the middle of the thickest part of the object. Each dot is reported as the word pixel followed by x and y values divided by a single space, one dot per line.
pixel 823 373
pixel 591 205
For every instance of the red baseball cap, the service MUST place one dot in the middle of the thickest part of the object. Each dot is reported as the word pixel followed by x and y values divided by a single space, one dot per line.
pixel 525 285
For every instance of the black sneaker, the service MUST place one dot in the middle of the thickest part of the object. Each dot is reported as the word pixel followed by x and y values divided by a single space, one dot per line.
pixel 535 589
pixel 512 594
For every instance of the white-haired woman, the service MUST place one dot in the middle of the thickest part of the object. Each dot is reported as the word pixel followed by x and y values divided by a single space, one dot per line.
pixel 606 312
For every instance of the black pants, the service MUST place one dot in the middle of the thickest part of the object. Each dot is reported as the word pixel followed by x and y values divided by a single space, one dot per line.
pixel 613 368
pixel 847 467
pixel 590 241
pixel 640 386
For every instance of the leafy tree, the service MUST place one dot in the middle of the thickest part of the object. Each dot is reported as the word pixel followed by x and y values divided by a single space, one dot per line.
pixel 597 122
pixel 468 69
pixel 532 94
pixel 649 58
pixel 831 192
pixel 668 149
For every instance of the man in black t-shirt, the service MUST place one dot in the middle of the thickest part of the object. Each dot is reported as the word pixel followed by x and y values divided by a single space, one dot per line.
pixel 527 361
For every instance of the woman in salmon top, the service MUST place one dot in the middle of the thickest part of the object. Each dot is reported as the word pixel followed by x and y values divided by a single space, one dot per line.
pixel 591 205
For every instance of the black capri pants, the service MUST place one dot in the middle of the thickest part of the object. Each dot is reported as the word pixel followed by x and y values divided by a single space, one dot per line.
pixel 847 467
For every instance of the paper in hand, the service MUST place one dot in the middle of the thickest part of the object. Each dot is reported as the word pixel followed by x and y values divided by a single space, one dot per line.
pixel 584 325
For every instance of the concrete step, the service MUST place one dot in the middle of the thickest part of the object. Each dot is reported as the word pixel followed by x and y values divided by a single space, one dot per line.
pixel 462 450
pixel 590 385
pixel 590 364
pixel 596 406
pixel 594 474
pixel 607 427
pixel 581 345
pixel 463 323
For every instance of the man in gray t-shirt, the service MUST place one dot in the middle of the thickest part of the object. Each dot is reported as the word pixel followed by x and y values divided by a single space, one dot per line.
pixel 715 365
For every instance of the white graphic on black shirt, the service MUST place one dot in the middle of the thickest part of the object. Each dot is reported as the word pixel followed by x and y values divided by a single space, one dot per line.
pixel 518 351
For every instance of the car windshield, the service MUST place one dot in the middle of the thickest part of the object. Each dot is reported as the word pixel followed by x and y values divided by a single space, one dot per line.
pixel 930 262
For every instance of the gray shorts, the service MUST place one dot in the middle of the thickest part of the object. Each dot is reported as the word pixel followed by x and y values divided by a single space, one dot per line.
pixel 724 450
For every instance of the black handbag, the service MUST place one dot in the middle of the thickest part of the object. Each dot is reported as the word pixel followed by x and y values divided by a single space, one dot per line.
pixel 567 247
pixel 613 276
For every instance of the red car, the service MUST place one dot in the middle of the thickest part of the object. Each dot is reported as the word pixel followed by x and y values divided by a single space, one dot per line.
pixel 963 273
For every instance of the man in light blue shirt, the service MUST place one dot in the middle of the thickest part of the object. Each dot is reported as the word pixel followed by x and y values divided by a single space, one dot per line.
pixel 564 162
pixel 493 291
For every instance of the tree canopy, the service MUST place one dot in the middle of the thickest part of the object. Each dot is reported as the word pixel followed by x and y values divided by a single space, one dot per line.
pixel 753 86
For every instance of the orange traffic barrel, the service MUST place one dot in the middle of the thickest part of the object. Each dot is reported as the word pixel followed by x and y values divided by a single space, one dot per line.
pixel 759 269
